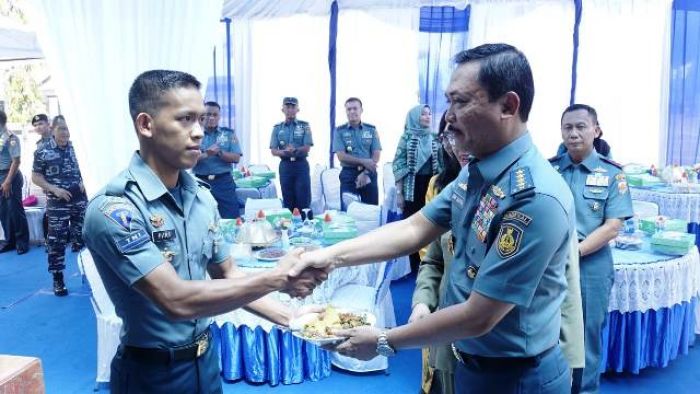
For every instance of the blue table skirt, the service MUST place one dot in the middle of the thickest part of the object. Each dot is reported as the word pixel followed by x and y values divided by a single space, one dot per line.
pixel 275 357
pixel 694 228
pixel 633 341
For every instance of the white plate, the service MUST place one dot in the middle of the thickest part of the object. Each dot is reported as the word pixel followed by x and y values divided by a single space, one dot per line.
pixel 259 256
pixel 297 325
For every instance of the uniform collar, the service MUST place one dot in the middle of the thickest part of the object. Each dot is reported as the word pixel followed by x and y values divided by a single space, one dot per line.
pixel 591 162
pixel 151 186
pixel 210 131
pixel 493 165
pixel 293 121
pixel 46 139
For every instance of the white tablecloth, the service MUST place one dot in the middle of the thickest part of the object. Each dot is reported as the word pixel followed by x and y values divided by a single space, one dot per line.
pixel 684 206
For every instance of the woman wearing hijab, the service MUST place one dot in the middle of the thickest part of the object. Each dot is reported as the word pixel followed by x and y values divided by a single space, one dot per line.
pixel 416 161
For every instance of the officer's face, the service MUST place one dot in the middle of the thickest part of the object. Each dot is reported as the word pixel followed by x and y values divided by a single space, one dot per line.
pixel 61 135
pixel 42 128
pixel 175 133
pixel 211 117
pixel 426 117
pixel 578 132
pixel 474 119
pixel 290 111
pixel 353 110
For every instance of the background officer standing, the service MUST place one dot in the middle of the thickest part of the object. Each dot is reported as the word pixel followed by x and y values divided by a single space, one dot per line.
pixel 358 149
pixel 512 218
pixel 153 233
pixel 14 221
pixel 602 202
pixel 56 170
pixel 291 141
pixel 220 149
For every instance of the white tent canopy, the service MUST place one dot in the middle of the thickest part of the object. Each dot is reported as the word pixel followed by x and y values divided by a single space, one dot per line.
pixel 17 42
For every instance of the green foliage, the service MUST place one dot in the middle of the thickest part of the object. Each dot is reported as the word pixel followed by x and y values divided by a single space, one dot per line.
pixel 22 94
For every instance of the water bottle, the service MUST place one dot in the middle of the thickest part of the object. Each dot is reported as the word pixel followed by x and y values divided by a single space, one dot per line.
pixel 296 219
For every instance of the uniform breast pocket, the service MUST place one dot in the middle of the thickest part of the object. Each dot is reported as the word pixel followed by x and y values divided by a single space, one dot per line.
pixel 595 199
pixel 367 142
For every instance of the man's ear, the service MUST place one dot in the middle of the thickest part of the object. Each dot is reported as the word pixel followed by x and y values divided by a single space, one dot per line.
pixel 144 125
pixel 510 105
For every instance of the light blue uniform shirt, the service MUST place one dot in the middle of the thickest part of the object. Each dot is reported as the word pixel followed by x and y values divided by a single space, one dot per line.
pixel 9 149
pixel 296 133
pixel 512 217
pixel 226 138
pixel 599 188
pixel 358 141
pixel 131 227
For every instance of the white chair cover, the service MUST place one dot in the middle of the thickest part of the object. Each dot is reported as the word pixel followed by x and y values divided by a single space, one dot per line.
pixel 109 325
pixel 644 209
pixel 35 220
pixel 253 206
pixel 318 205
pixel 330 186
pixel 247 193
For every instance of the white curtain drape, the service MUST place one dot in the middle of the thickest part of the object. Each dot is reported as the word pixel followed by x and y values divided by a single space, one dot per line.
pixel 95 49
pixel 294 62
pixel 275 58
pixel 623 72
pixel 543 31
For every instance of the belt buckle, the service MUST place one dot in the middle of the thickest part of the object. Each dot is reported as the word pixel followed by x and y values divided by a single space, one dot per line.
pixel 202 345
pixel 211 177
pixel 292 159
pixel 456 353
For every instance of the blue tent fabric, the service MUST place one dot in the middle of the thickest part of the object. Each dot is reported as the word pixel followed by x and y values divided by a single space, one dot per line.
pixel 332 42
pixel 683 140
pixel 443 34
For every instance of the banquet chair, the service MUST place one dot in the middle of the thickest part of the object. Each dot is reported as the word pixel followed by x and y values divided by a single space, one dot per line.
pixel 108 323
pixel 644 209
pixel 244 194
pixel 349 198
pixel 330 188
pixel 318 204
pixel 253 206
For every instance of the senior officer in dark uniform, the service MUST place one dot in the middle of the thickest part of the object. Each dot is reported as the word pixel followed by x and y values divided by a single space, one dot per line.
pixel 602 203
pixel 14 221
pixel 291 141
pixel 153 233
pixel 220 150
pixel 512 218
pixel 55 169
pixel 358 149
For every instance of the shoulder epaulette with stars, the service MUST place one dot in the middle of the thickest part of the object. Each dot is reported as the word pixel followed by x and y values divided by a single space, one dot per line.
pixel 521 184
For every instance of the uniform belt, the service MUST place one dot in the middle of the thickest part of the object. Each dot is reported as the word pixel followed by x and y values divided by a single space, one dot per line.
pixel 483 362
pixel 293 158
pixel 213 176
pixel 165 356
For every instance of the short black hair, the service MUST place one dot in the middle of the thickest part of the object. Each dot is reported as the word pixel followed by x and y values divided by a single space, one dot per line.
pixel 503 68
pixel 3 118
pixel 212 104
pixel 145 94
pixel 351 99
pixel 575 107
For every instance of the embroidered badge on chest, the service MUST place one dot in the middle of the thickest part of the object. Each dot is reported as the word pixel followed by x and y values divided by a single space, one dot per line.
pixel 157 220
pixel 484 215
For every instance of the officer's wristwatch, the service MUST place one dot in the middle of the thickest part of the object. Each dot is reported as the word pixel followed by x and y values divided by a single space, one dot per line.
pixel 383 347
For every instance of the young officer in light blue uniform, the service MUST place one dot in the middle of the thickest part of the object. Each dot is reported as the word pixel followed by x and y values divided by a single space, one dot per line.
pixel 512 218
pixel 220 151
pixel 602 203
pixel 358 149
pixel 291 141
pixel 12 216
pixel 153 234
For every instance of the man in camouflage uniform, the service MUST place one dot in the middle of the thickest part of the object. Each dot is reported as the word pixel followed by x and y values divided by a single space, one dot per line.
pixel 56 170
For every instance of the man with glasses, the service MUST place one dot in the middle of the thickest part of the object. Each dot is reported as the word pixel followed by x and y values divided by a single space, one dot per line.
pixel 220 149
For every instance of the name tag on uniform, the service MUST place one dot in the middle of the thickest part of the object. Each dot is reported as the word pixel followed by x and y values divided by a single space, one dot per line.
pixel 597 180
pixel 458 199
pixel 163 235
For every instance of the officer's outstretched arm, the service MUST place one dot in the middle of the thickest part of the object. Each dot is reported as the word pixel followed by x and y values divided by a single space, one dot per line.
pixel 189 299
pixel 389 241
